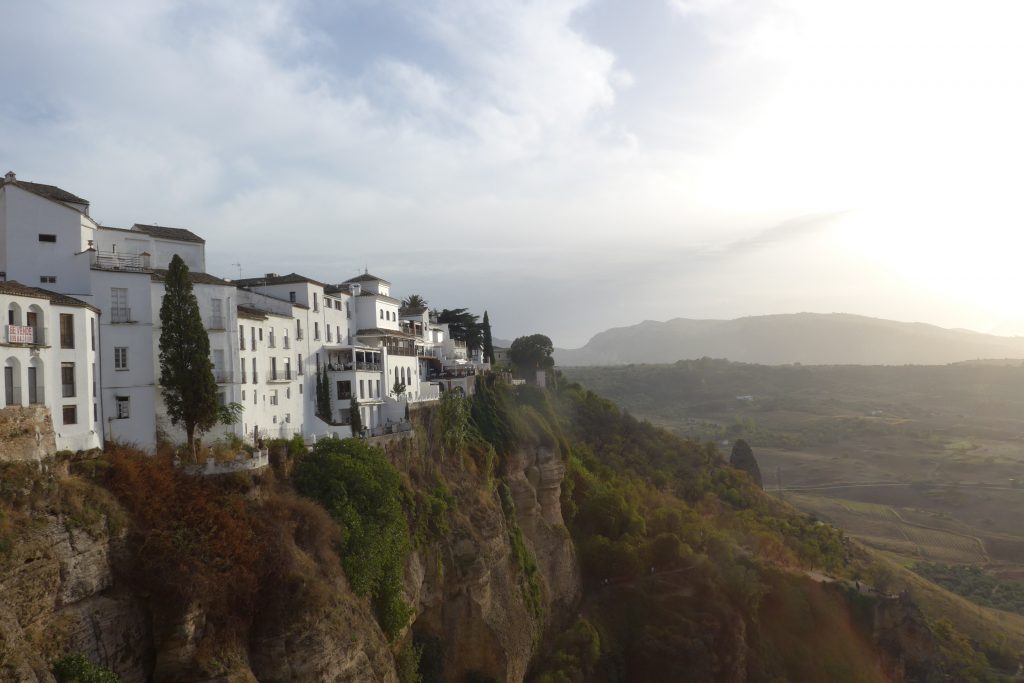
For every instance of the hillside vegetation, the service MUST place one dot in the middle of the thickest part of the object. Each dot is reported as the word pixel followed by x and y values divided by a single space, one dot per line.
pixel 521 534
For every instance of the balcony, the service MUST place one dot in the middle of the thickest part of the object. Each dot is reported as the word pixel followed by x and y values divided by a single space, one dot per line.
pixel 299 334
pixel 112 260
pixel 271 342
pixel 286 343
pixel 284 376
pixel 222 376
pixel 121 315
pixel 216 323
pixel 26 335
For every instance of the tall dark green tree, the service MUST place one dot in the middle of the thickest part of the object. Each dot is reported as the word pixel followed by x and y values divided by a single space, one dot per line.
pixel 532 353
pixel 485 326
pixel 323 394
pixel 462 325
pixel 355 416
pixel 413 303
pixel 742 458
pixel 186 371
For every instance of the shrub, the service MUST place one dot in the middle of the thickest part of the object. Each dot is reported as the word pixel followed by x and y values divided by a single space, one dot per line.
pixel 363 492
pixel 77 669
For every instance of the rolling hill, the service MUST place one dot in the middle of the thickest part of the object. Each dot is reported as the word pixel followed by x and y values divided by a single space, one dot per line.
pixel 809 338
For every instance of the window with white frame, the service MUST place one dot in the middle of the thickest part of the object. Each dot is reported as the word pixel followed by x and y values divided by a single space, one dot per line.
pixel 122 405
pixel 120 357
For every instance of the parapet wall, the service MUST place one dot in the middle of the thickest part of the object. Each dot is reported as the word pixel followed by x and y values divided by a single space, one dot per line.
pixel 26 434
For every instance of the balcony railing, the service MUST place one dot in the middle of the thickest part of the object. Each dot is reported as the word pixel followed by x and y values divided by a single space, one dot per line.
pixel 255 377
pixel 299 334
pixel 271 342
pixel 26 334
pixel 283 376
pixel 37 397
pixel 221 376
pixel 112 260
pixel 216 323
pixel 286 343
pixel 120 315
pixel 373 367
pixel 244 377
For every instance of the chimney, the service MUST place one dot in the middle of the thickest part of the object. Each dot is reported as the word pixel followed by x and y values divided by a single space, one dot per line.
pixel 10 177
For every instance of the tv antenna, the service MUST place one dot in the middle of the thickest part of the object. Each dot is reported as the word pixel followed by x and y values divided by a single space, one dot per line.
pixel 239 266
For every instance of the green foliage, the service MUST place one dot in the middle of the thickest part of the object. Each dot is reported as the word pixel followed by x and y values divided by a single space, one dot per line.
pixel 356 416
pixel 462 325
pixel 453 415
pixel 532 590
pixel 488 343
pixel 407 663
pixel 531 353
pixel 78 669
pixel 742 458
pixel 230 413
pixel 323 395
pixel 430 518
pixel 363 492
pixel 186 371
pixel 976 585
pixel 413 302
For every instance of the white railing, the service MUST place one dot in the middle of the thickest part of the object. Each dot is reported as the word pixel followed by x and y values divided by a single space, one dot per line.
pixel 120 315
pixel 112 260
pixel 243 462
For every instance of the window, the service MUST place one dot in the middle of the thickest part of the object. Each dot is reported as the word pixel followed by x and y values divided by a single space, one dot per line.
pixel 70 415
pixel 337 305
pixel 252 330
pixel 241 337
pixel 92 333
pixel 119 311
pixel 378 388
pixel 381 314
pixel 43 237
pixel 122 403
pixel 254 381
pixel 48 279
pixel 300 390
pixel 316 304
pixel 337 330
pixel 344 390
pixel 217 311
pixel 291 297
pixel 94 380
pixel 67 331
pixel 316 331
pixel 261 334
pixel 243 394
pixel 120 357
pixel 362 388
pixel 327 328
pixel 67 380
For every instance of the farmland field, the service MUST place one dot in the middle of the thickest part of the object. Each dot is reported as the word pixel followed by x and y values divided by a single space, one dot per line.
pixel 924 463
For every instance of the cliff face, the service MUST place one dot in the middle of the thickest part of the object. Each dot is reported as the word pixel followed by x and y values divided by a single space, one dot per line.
pixel 471 590
pixel 57 595
pixel 62 589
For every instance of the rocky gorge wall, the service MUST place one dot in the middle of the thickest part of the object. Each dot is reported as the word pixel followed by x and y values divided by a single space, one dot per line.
pixel 486 591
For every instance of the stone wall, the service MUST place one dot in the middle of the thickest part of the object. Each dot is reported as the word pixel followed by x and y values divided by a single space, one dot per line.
pixel 26 434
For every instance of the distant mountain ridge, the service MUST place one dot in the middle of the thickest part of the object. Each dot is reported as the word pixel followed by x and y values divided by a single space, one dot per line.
pixel 809 338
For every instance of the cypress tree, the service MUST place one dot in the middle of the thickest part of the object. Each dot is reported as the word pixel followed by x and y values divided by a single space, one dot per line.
pixel 488 344
pixel 323 394
pixel 186 371
pixel 356 417
pixel 742 458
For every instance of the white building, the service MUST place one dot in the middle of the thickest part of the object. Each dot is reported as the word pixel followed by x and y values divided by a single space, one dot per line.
pixel 49 358
pixel 270 337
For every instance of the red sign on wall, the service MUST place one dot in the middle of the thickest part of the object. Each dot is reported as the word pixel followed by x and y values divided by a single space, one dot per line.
pixel 20 334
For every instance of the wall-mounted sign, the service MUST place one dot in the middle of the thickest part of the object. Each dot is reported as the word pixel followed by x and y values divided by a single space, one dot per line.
pixel 20 334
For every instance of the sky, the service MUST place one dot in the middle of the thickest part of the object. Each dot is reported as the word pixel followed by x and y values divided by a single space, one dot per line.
pixel 567 165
